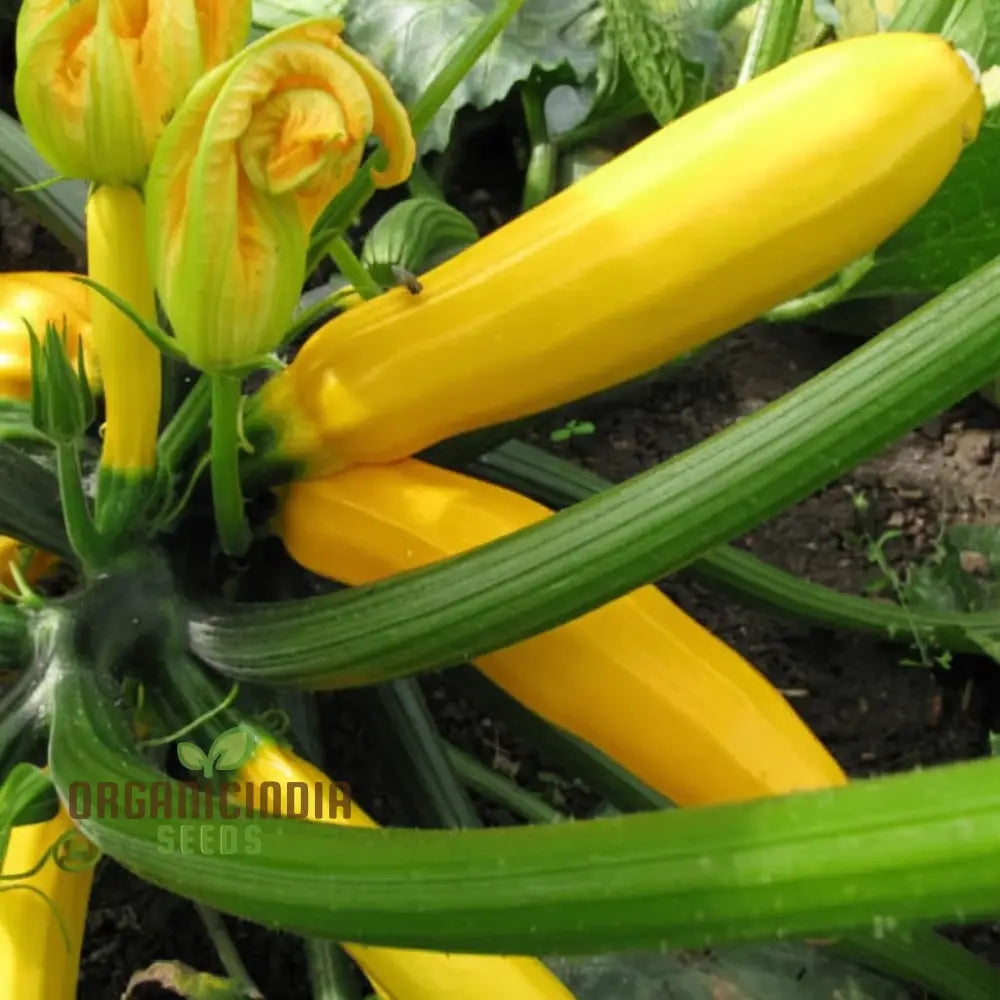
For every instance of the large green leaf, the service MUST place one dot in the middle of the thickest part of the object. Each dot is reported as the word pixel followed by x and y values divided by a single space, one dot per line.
pixel 412 39
pixel 268 14
pixel 956 232
pixel 649 44
pixel 959 229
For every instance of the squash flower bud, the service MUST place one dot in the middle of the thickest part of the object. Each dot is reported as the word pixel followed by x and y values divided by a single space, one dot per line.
pixel 97 80
pixel 259 148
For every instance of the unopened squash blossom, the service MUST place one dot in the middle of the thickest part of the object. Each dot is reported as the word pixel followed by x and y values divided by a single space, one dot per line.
pixel 405 974
pixel 96 83
pixel 97 80
pixel 36 960
pixel 242 172
pixel 35 299
pixel 753 198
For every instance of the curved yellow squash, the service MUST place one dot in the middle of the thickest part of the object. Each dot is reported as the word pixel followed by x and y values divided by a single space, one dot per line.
pixel 637 678
pixel 403 974
pixel 752 198
pixel 35 962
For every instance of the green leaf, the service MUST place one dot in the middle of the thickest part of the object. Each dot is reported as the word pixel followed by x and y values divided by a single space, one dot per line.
pixel 415 235
pixel 270 14
pixel 231 749
pixel 962 575
pixel 647 40
pixel 27 796
pixel 410 40
pixel 16 423
pixel 191 756
pixel 29 503
pixel 956 232
pixel 974 25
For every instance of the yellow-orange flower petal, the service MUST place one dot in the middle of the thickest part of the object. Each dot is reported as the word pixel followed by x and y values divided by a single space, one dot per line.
pixel 11 553
pixel 39 298
pixel 240 175
pixel 97 80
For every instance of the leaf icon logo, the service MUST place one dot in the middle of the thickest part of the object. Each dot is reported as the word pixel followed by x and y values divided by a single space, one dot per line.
pixel 229 752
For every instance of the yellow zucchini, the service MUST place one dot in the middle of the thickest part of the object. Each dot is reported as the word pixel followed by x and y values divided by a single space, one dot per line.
pixel 36 962
pixel 724 213
pixel 637 678
pixel 403 974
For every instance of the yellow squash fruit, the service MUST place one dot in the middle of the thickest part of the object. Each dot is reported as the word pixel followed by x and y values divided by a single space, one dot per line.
pixel 404 974
pixel 241 174
pixel 637 678
pixel 39 298
pixel 749 200
pixel 130 363
pixel 36 961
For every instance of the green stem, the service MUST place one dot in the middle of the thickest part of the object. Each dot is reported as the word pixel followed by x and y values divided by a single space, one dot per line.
pixel 59 208
pixel 331 972
pixel 227 496
pixel 495 787
pixel 15 643
pixel 227 951
pixel 720 12
pixel 348 204
pixel 540 180
pixel 422 185
pixel 554 481
pixel 622 789
pixel 352 269
pixel 922 15
pixel 771 39
pixel 822 298
pixel 29 504
pixel 188 430
pixel 414 727
pixel 457 68
pixel 910 848
pixel 80 528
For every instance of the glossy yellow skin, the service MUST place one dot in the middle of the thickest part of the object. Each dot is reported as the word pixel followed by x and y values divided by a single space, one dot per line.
pixel 402 974
pixel 730 210
pixel 130 364
pixel 34 961
pixel 40 297
pixel 637 678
